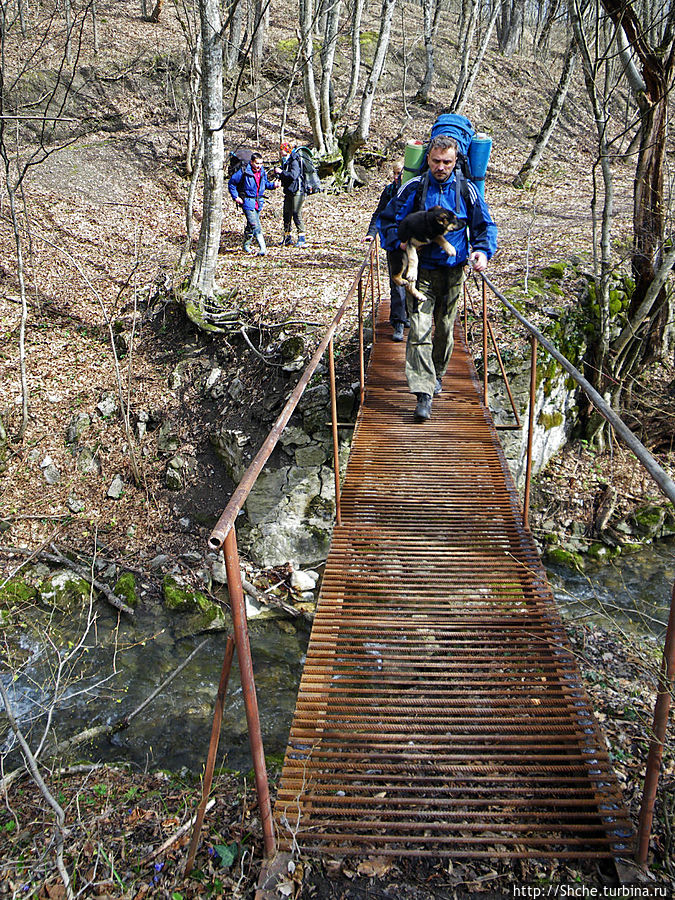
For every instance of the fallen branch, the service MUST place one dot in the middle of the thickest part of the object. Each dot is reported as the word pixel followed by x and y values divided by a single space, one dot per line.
pixel 175 837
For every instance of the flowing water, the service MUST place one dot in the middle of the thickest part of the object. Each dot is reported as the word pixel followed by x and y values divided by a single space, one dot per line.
pixel 173 732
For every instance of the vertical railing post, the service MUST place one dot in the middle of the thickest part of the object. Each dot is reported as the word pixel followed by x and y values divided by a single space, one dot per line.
pixel 238 608
pixel 530 431
pixel 485 346
pixel 372 298
pixel 376 251
pixel 213 749
pixel 659 727
pixel 466 315
pixel 362 366
pixel 334 422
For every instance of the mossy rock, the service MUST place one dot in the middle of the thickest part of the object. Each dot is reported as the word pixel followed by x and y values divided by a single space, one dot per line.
pixel 179 598
pixel 198 613
pixel 561 557
pixel 550 420
pixel 648 521
pixel 602 552
pixel 16 593
pixel 65 590
pixel 554 272
pixel 125 589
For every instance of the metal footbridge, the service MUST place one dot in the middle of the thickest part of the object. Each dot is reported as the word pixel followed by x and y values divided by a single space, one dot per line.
pixel 441 711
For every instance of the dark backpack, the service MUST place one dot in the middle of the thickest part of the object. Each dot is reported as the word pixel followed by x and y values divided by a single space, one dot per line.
pixel 310 175
pixel 238 159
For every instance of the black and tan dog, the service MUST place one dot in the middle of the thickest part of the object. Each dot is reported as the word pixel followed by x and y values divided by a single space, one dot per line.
pixel 417 229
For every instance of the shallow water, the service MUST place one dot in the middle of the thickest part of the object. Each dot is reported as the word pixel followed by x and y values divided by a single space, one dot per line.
pixel 634 591
pixel 174 731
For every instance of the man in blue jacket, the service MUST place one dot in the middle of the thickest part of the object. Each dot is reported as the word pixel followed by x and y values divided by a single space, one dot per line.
pixel 440 276
pixel 247 188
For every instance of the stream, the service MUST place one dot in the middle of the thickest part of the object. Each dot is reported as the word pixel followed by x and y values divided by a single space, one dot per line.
pixel 174 731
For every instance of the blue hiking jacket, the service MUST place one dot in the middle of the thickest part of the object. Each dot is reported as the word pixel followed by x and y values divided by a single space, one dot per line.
pixel 482 231
pixel 243 184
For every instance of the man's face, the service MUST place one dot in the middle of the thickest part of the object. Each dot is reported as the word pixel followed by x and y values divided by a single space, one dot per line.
pixel 256 164
pixel 442 162
pixel 395 172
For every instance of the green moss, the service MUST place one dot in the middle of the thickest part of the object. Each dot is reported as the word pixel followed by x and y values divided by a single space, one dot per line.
pixel 550 420
pixel 568 558
pixel 600 551
pixel 125 589
pixel 16 592
pixel 288 47
pixel 65 591
pixel 555 271
pixel 179 598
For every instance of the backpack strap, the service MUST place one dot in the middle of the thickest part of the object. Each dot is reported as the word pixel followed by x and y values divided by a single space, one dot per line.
pixel 461 190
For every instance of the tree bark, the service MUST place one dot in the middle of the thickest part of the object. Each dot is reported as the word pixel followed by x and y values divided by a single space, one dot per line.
pixel 202 279
pixel 532 164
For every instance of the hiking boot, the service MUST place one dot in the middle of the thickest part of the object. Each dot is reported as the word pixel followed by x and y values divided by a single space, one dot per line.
pixel 438 387
pixel 423 408
pixel 288 240
pixel 301 242
pixel 398 332
pixel 247 245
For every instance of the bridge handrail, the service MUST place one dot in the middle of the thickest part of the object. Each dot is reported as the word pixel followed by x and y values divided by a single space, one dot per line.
pixel 243 489
pixel 656 471
pixel 666 679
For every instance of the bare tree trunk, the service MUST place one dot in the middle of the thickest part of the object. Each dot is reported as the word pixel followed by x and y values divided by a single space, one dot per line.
pixel 464 88
pixel 202 279
pixel 543 43
pixel 510 32
pixel 532 164
pixel 357 15
pixel 327 60
pixel 428 10
pixel 94 25
pixel 236 29
pixel 24 306
pixel 357 138
pixel 306 15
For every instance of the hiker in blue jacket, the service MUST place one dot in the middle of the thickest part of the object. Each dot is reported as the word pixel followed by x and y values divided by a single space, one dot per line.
pixel 398 316
pixel 247 188
pixel 440 276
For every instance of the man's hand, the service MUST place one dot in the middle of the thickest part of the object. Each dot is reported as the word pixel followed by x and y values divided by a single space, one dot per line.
pixel 369 239
pixel 479 261
pixel 238 201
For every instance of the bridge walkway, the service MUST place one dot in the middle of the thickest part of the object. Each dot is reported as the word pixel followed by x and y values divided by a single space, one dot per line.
pixel 441 711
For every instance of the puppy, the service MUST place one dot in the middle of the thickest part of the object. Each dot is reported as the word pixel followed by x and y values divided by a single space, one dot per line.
pixel 417 229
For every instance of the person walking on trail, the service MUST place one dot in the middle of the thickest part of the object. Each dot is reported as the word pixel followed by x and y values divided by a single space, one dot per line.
pixel 292 177
pixel 398 317
pixel 247 188
pixel 440 276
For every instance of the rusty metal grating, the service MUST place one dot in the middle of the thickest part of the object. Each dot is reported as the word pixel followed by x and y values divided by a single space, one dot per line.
pixel 440 711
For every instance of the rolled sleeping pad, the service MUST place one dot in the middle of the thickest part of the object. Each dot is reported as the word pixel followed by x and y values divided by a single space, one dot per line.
pixel 479 156
pixel 412 160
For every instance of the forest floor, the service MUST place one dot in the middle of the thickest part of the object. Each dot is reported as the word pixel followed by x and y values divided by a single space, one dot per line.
pixel 104 232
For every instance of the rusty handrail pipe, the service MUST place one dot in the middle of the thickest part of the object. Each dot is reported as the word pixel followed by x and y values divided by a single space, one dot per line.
pixel 243 489
pixel 657 472
pixel 667 671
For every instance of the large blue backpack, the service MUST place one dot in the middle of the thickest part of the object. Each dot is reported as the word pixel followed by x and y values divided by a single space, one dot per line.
pixel 461 129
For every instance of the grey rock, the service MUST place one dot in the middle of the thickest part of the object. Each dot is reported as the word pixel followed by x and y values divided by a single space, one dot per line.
pixel 77 426
pixel 107 406
pixel 230 444
pixel 167 439
pixel 310 455
pixel 218 570
pixel 51 474
pixel 116 488
pixel 159 561
pixel 236 389
pixel 303 581
pixel 88 463
pixel 174 473
pixel 74 505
